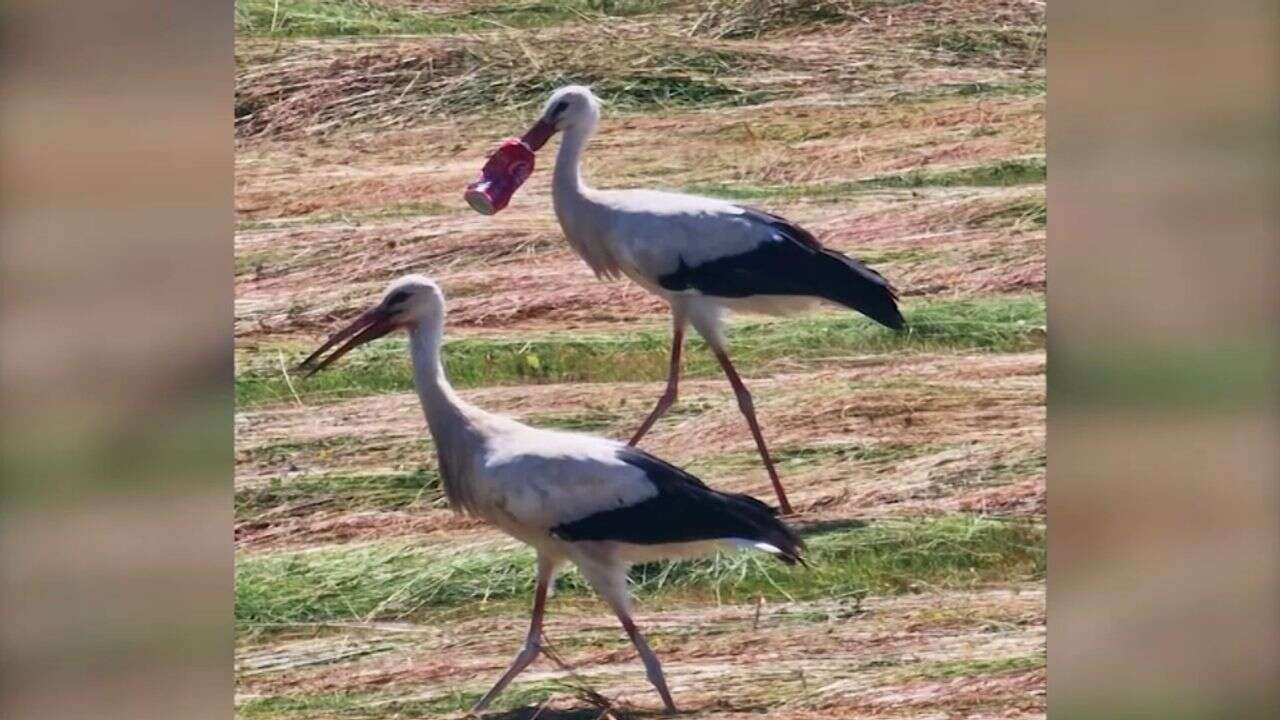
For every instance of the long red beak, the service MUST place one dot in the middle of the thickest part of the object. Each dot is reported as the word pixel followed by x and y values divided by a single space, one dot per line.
pixel 538 135
pixel 371 325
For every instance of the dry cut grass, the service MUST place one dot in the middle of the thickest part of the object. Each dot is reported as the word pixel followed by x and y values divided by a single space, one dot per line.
pixel 318 86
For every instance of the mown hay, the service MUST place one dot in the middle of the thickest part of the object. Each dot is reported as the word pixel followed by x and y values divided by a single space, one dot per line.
pixel 986 45
pixel 315 87
pixel 752 18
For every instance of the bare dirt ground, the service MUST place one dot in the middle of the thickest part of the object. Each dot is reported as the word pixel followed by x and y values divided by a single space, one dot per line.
pixel 908 133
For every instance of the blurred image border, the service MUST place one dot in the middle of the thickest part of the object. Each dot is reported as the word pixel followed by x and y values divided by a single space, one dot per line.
pixel 1164 468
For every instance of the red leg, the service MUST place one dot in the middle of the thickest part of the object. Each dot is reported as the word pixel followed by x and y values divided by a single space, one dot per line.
pixel 748 410
pixel 532 643
pixel 673 381
pixel 652 668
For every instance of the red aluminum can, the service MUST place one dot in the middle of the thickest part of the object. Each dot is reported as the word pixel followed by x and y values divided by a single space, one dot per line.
pixel 507 169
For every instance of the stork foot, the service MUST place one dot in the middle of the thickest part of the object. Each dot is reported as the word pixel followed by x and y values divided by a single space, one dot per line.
pixel 652 667
pixel 527 655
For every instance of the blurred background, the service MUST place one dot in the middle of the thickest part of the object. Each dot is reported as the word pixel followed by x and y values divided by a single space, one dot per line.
pixel 1164 465
pixel 116 359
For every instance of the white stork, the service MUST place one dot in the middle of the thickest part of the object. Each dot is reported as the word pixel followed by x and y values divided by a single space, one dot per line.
pixel 701 255
pixel 598 503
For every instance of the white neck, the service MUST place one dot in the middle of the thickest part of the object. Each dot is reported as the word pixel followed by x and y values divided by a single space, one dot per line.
pixel 568 175
pixel 456 426
pixel 581 217
pixel 442 407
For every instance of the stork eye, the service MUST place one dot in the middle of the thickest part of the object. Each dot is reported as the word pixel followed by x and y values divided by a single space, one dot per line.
pixel 397 297
pixel 559 108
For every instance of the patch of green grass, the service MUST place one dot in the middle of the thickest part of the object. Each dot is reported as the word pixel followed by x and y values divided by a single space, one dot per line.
pixel 299 454
pixel 977 667
pixel 281 497
pixel 1022 45
pixel 398 580
pixel 1021 213
pixel 335 705
pixel 672 91
pixel 379 706
pixel 254 262
pixel 989 324
pixel 791 191
pixel 590 420
pixel 792 459
pixel 881 557
pixel 1017 171
pixel 1031 88
pixel 903 255
pixel 1016 467
pixel 397 211
pixel 323 18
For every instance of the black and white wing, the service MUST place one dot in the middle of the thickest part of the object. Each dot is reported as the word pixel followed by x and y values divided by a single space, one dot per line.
pixel 684 510
pixel 786 260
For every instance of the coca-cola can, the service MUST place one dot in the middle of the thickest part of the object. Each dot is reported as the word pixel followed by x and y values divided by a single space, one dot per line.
pixel 507 169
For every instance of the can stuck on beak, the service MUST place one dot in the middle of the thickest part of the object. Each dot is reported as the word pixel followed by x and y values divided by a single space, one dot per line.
pixel 507 169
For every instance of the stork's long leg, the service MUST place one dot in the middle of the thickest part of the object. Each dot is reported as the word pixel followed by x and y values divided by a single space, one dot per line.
pixel 652 668
pixel 608 576
pixel 748 410
pixel 673 382
pixel 533 643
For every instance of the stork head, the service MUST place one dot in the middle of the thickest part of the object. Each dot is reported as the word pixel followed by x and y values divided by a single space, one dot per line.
pixel 572 106
pixel 407 301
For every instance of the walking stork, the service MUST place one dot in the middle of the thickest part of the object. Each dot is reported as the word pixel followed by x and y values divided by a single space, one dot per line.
pixel 701 255
pixel 598 503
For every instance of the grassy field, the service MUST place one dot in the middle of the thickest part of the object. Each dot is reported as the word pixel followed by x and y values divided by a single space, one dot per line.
pixel 907 132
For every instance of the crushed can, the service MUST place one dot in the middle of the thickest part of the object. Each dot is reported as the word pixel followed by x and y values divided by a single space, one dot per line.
pixel 507 169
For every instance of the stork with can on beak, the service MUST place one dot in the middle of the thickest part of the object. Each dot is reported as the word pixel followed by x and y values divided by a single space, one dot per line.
pixel 597 503
pixel 701 255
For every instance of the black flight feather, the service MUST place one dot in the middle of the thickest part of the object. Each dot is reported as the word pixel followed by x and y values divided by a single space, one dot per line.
pixel 793 263
pixel 684 510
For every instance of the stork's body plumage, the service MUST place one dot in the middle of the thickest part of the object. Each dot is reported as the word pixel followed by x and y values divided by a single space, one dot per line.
pixel 703 256
pixel 575 498
pixel 706 256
